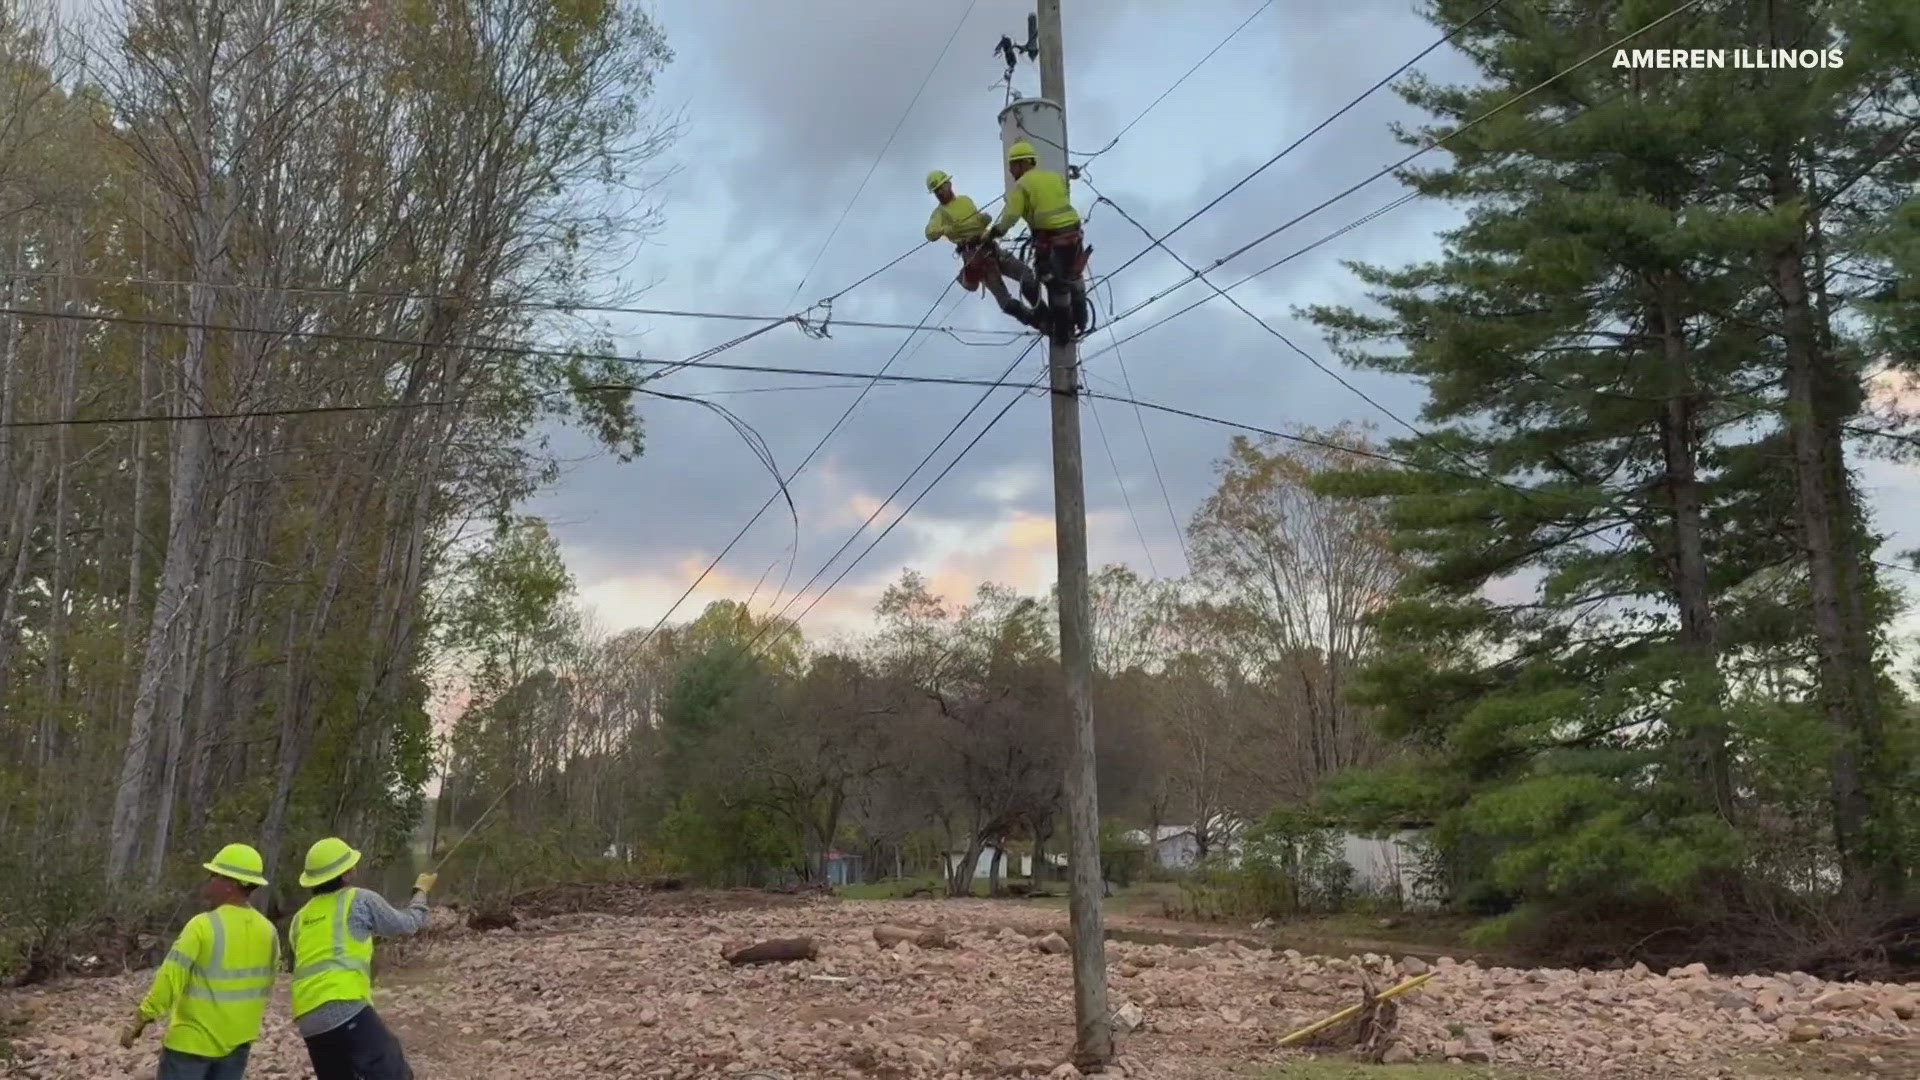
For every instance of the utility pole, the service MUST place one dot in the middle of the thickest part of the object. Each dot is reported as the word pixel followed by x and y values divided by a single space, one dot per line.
pixel 1093 1033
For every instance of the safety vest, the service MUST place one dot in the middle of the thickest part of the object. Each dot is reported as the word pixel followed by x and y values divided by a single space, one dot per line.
pixel 1041 198
pixel 329 963
pixel 225 996
pixel 957 220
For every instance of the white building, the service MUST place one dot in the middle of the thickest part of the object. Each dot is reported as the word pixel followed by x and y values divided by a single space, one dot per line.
pixel 1011 865
pixel 1389 866
pixel 1174 848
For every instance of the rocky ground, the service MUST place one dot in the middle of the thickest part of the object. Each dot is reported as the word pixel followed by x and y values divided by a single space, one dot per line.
pixel 645 992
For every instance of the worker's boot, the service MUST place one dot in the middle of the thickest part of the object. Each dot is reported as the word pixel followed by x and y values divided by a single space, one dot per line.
pixel 1082 311
pixel 1026 315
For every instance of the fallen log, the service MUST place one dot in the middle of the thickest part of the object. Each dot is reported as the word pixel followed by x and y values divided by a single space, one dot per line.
pixel 890 936
pixel 779 951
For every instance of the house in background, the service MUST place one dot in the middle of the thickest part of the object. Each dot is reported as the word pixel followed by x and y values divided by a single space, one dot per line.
pixel 1177 847
pixel 1392 866
pixel 1011 866
pixel 1174 848
pixel 842 868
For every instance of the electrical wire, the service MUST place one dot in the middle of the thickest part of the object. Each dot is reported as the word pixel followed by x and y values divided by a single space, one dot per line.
pixel 557 306
pixel 877 158
pixel 701 360
pixel 1387 169
pixel 780 617
pixel 1145 548
pixel 1284 339
pixel 1275 265
pixel 1315 130
pixel 1177 83
pixel 817 447
pixel 1173 519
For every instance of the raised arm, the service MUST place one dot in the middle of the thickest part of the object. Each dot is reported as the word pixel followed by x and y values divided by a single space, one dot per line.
pixel 372 914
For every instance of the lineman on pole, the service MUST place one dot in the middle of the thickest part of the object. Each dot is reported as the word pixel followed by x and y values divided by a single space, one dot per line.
pixel 332 937
pixel 213 986
pixel 1040 198
pixel 983 261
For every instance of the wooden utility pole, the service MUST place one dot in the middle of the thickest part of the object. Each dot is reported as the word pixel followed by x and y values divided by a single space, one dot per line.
pixel 1093 1033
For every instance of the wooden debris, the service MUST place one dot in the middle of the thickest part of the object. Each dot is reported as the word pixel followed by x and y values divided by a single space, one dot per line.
pixel 1368 1013
pixel 778 951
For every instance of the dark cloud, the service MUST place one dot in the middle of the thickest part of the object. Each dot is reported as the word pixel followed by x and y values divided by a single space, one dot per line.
pixel 786 106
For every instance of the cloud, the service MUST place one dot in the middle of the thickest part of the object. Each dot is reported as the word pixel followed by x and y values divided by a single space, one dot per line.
pixel 786 107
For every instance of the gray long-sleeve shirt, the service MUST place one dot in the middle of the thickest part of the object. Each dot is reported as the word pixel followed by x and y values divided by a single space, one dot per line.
pixel 368 916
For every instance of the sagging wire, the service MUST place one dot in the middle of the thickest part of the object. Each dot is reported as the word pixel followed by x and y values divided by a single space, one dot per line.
pixel 756 443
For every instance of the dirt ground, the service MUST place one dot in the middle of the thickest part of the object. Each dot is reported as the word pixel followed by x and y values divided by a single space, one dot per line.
pixel 643 990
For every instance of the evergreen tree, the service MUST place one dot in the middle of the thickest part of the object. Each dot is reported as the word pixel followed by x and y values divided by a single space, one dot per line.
pixel 1602 350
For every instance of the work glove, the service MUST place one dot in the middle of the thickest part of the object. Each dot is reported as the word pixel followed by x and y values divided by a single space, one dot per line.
pixel 132 1031
pixel 425 882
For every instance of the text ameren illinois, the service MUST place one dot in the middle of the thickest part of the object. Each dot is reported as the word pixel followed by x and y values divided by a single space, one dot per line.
pixel 1727 58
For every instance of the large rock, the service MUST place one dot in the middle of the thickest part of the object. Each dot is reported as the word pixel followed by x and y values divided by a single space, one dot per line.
pixel 1839 1001
pixel 1052 945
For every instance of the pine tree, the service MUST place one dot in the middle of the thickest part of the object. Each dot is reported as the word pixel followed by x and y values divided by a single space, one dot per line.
pixel 1601 349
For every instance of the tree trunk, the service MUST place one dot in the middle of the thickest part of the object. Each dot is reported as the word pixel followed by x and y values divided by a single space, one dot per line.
pixel 1820 398
pixel 1701 726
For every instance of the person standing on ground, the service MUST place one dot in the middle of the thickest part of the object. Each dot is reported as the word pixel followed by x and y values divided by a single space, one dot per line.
pixel 332 938
pixel 213 986
pixel 982 261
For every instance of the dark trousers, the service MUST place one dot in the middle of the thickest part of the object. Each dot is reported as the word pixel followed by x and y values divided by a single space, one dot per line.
pixel 360 1049
pixel 175 1065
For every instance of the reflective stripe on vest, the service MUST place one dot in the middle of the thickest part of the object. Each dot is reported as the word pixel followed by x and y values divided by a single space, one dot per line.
pixel 330 964
pixel 225 997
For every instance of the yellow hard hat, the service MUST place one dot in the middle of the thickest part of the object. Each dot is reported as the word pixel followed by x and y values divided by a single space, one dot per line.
pixel 327 859
pixel 239 862
pixel 1020 151
pixel 935 179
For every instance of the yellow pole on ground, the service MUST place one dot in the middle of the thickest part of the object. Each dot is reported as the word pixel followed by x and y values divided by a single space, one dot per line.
pixel 1351 1010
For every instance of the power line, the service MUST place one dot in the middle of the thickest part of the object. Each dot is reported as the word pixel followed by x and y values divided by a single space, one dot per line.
pixel 556 306
pixel 1275 265
pixel 888 145
pixel 1317 128
pixel 1173 519
pixel 781 615
pixel 1145 548
pixel 1264 325
pixel 897 356
pixel 1388 169
pixel 1177 83
pixel 701 360
pixel 817 446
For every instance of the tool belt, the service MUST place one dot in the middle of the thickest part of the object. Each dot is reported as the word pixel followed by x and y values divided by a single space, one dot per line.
pixel 1056 238
pixel 1062 249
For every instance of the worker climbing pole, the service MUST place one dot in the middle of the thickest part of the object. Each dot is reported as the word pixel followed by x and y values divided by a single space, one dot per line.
pixel 1041 198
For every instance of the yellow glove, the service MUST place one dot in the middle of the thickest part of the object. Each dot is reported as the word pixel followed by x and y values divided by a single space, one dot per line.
pixel 425 882
pixel 132 1032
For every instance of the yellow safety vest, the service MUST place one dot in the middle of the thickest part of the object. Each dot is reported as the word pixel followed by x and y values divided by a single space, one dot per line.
pixel 329 963
pixel 228 982
pixel 1042 199
pixel 957 220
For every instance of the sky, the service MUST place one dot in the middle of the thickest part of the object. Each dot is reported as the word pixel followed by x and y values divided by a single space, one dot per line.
pixel 785 107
